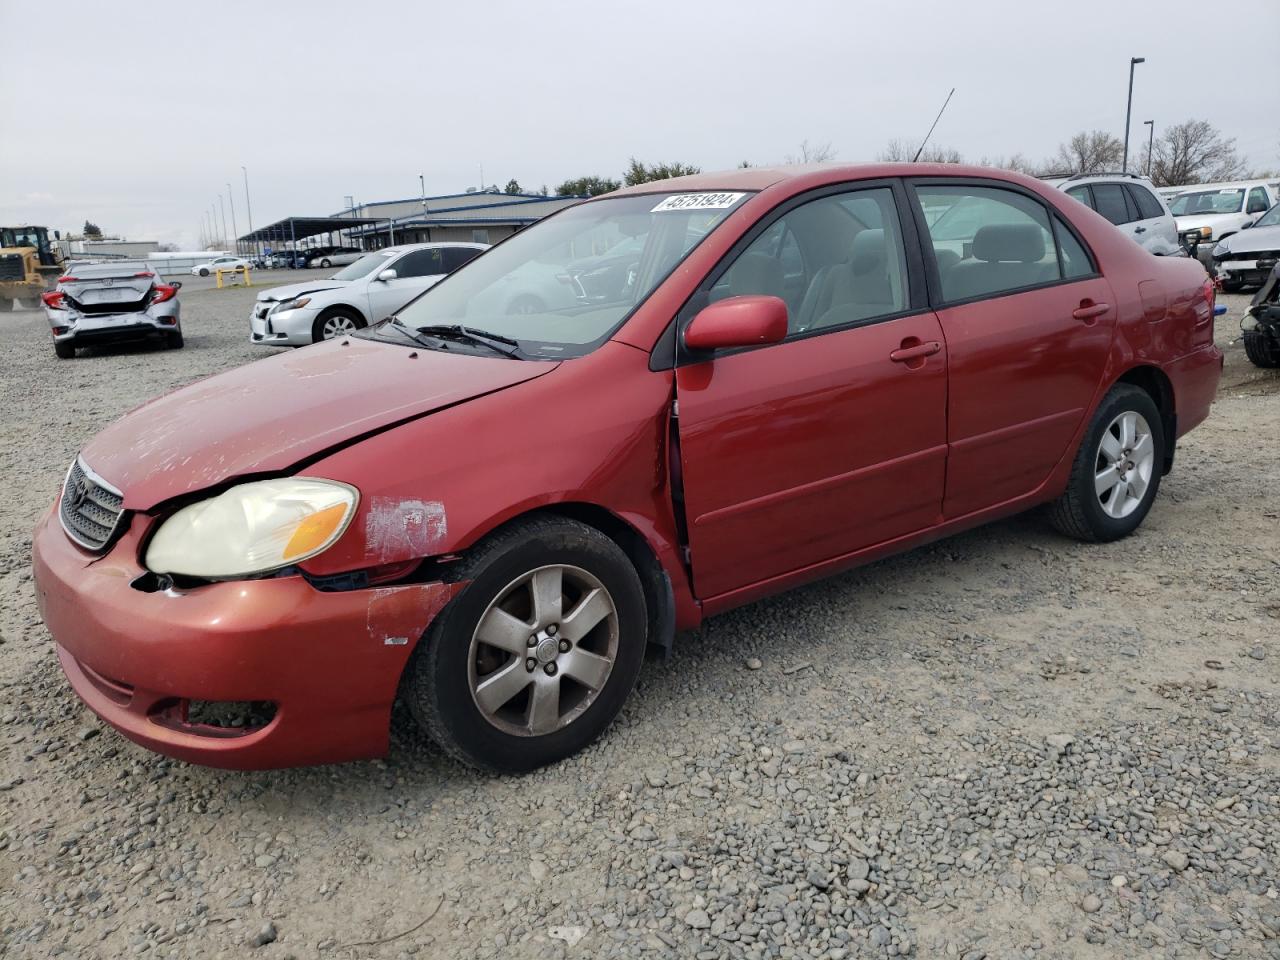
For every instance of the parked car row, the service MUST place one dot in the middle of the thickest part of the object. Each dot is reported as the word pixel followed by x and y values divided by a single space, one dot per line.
pixel 489 507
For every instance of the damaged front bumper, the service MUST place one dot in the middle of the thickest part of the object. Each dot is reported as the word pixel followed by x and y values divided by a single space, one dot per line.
pixel 319 669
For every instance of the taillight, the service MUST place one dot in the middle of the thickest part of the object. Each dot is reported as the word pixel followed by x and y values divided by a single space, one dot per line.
pixel 68 279
pixel 53 299
pixel 164 292
pixel 144 273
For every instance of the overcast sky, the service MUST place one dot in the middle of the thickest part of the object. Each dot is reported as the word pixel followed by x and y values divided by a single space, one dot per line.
pixel 136 115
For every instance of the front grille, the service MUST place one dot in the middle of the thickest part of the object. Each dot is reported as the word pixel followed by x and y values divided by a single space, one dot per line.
pixel 90 510
pixel 12 267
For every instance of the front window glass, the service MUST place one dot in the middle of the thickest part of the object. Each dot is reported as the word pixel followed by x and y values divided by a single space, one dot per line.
pixel 1257 201
pixel 525 289
pixel 363 267
pixel 1269 219
pixel 1208 201
pixel 1110 200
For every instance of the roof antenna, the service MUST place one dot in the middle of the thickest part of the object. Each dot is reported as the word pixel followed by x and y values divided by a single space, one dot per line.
pixel 935 123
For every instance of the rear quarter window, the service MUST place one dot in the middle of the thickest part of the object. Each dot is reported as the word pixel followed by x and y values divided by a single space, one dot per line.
pixel 1148 206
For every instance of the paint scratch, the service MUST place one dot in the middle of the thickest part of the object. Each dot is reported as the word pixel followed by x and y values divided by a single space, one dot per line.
pixel 403 529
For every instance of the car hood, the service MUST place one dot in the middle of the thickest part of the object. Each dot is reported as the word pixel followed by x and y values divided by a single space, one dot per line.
pixel 292 290
pixel 1253 240
pixel 1202 220
pixel 267 416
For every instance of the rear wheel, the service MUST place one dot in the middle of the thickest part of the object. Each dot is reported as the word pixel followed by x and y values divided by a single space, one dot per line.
pixel 338 322
pixel 534 659
pixel 326 264
pixel 1117 469
pixel 65 349
pixel 1262 348
pixel 204 271
pixel 173 340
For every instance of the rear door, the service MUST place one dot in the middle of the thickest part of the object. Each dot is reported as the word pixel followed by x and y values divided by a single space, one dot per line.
pixel 1028 322
pixel 835 439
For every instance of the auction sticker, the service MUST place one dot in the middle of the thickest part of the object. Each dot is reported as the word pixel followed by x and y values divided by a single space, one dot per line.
pixel 698 201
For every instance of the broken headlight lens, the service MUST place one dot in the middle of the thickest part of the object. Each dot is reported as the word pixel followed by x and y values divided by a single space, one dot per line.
pixel 253 528
pixel 291 304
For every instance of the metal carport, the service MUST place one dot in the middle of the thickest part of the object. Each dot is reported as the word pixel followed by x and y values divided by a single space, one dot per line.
pixel 292 229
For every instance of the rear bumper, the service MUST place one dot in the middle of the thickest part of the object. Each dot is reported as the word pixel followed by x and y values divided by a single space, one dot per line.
pixel 1195 383
pixel 84 329
pixel 330 663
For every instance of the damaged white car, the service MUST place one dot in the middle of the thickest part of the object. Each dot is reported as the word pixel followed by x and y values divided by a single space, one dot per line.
pixel 109 302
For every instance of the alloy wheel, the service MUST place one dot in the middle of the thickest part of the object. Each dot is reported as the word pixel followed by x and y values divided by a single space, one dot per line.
pixel 338 325
pixel 1124 465
pixel 543 650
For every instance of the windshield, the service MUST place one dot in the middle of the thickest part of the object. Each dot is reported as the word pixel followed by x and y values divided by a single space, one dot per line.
pixel 1208 201
pixel 1269 219
pixel 363 267
pixel 526 287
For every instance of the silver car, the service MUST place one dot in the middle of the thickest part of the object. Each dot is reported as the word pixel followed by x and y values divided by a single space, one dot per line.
pixel 1248 257
pixel 109 302
pixel 1131 202
pixel 367 291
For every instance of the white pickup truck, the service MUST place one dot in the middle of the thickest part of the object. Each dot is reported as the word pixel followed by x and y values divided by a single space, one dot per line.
pixel 1212 211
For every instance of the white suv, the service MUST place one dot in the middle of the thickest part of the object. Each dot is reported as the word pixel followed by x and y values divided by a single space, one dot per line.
pixel 1131 203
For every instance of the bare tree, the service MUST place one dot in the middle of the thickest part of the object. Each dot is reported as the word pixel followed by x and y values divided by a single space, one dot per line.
pixel 899 150
pixel 1194 152
pixel 1089 151
pixel 1018 163
pixel 817 153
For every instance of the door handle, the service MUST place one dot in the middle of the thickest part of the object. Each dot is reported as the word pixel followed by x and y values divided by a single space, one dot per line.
pixel 1088 310
pixel 1139 229
pixel 905 354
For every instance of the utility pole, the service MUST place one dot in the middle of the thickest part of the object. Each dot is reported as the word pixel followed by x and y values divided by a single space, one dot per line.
pixel 223 207
pixel 235 231
pixel 1128 109
pixel 248 208
pixel 1151 143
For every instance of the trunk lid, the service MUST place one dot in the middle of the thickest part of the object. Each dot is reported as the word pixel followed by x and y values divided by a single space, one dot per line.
pixel 267 416
pixel 106 287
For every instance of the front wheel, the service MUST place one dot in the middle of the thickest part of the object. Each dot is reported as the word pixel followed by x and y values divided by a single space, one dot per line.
pixel 335 323
pixel 534 659
pixel 1262 348
pixel 1117 469
pixel 326 264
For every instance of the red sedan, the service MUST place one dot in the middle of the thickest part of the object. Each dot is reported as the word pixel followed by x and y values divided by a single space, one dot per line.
pixel 645 410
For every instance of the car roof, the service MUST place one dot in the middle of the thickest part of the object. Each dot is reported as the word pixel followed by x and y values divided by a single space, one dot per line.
pixel 813 175
pixel 402 247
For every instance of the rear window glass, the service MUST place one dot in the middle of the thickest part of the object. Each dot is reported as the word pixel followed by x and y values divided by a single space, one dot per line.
pixel 1148 206
pixel 1109 198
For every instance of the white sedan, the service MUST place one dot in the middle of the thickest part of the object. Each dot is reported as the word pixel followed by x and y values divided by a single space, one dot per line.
pixel 218 263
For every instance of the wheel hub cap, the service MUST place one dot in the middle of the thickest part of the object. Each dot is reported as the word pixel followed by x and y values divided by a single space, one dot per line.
pixel 548 650
pixel 1124 465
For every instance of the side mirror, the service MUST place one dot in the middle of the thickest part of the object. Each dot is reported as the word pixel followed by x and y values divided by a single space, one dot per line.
pixel 746 321
pixel 386 275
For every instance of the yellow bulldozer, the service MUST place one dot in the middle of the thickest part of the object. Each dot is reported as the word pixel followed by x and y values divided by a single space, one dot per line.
pixel 29 265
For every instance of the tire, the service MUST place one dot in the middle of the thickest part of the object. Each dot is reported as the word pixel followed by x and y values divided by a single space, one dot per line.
pixel 525 304
pixel 325 264
pixel 1086 513
pixel 335 322
pixel 1262 348
pixel 451 662
pixel 65 350
pixel 1232 286
pixel 173 340
pixel 204 272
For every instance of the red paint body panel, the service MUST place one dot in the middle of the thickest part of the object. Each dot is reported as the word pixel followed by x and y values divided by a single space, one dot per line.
pixel 796 460
pixel 323 658
pixel 268 415
pixel 810 449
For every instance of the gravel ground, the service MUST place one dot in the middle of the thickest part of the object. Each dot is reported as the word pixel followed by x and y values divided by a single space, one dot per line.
pixel 1003 745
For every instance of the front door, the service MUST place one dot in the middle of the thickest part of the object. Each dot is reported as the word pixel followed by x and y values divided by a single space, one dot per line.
pixel 415 271
pixel 834 439
pixel 1028 323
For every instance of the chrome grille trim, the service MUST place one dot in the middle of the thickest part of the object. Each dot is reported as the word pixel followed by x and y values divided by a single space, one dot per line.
pixel 90 509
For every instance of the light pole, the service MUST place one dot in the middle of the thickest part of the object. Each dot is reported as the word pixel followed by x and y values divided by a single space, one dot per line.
pixel 247 206
pixel 223 207
pixel 1151 143
pixel 235 232
pixel 1128 109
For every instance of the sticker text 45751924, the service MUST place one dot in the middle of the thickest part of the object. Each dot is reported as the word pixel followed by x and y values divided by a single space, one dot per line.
pixel 698 201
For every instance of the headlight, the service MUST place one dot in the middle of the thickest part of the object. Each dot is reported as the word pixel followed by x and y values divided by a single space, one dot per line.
pixel 291 304
pixel 1220 249
pixel 1206 233
pixel 253 528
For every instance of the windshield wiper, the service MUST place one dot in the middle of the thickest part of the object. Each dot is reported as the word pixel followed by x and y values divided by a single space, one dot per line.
pixel 494 341
pixel 411 333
